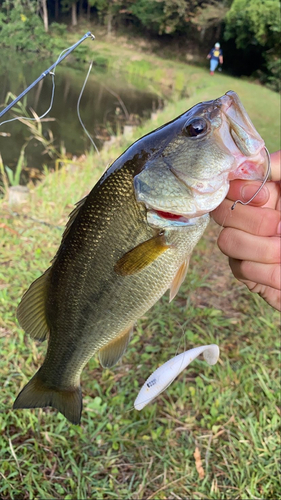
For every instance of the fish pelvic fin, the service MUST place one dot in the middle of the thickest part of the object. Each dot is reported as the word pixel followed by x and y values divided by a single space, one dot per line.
pixel 141 256
pixel 36 394
pixel 31 310
pixel 112 352
pixel 178 279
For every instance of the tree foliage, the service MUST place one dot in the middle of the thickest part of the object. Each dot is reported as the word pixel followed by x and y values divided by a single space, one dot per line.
pixel 252 26
pixel 256 23
pixel 21 26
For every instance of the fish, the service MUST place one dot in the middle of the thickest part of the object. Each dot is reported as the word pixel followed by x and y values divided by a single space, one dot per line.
pixel 129 241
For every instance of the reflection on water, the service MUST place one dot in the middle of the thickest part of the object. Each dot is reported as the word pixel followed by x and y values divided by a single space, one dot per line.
pixel 109 103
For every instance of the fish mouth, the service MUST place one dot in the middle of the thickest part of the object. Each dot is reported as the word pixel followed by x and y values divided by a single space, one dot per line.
pixel 158 218
pixel 176 193
pixel 241 139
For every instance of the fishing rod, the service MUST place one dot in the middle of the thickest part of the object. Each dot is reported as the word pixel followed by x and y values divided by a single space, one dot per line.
pixel 45 73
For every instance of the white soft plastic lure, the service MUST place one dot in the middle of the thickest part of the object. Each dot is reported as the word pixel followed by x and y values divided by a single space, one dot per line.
pixel 166 374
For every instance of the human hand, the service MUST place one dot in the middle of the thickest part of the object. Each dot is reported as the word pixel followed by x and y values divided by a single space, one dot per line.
pixel 251 238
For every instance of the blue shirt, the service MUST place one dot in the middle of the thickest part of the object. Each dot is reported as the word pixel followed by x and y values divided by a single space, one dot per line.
pixel 215 54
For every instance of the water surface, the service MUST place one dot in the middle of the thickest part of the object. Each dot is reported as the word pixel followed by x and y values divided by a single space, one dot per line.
pixel 108 103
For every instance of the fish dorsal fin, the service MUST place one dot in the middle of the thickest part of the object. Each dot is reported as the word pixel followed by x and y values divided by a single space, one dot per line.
pixel 112 352
pixel 141 256
pixel 72 216
pixel 178 279
pixel 31 310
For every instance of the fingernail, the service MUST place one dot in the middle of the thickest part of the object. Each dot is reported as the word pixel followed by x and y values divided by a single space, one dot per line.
pixel 248 190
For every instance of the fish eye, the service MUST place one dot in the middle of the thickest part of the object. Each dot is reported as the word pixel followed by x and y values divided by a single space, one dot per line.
pixel 196 127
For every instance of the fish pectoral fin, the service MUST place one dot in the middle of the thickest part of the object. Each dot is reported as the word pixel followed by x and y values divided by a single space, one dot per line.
pixel 112 352
pixel 141 256
pixel 178 279
pixel 31 310
pixel 36 394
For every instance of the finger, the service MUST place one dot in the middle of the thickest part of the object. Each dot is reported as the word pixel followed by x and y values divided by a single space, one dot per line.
pixel 244 190
pixel 244 246
pixel 266 274
pixel 268 293
pixel 254 220
pixel 275 166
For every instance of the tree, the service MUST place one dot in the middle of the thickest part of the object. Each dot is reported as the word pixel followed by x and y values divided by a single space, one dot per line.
pixel 70 5
pixel 74 13
pixel 255 26
pixel 43 9
pixel 254 21
pixel 171 16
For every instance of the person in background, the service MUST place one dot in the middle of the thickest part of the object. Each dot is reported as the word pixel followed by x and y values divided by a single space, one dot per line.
pixel 216 57
pixel 251 237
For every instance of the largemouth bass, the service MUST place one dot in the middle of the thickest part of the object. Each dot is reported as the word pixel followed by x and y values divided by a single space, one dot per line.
pixel 130 240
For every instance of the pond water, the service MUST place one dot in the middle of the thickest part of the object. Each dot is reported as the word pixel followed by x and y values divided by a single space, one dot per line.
pixel 109 102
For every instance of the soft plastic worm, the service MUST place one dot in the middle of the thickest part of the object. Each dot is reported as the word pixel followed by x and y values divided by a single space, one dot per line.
pixel 166 374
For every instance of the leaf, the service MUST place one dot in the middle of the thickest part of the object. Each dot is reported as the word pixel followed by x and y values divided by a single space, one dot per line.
pixel 10 175
pixel 198 463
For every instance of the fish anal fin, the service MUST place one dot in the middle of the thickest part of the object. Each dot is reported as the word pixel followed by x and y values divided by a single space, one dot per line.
pixel 178 279
pixel 141 256
pixel 31 310
pixel 36 394
pixel 112 352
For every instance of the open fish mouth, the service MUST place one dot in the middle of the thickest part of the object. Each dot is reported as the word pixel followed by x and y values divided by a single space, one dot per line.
pixel 249 153
pixel 215 143
pixel 242 130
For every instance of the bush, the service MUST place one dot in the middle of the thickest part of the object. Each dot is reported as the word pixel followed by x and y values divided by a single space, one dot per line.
pixel 21 28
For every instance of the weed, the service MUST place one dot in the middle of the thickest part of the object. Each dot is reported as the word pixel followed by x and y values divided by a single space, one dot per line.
pixel 228 413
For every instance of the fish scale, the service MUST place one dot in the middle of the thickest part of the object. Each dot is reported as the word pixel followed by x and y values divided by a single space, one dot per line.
pixel 130 240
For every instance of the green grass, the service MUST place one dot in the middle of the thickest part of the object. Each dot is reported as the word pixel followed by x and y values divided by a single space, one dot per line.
pixel 229 411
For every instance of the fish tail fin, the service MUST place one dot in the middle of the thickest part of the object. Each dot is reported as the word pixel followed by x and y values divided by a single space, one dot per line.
pixel 36 394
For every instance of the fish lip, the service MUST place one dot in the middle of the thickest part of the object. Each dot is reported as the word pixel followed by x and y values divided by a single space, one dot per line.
pixel 242 130
pixel 250 159
pixel 176 219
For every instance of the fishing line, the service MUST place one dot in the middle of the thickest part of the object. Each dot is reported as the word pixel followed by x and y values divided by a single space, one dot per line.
pixel 251 199
pixel 49 71
pixel 39 117
pixel 52 73
pixel 132 408
pixel 46 72
pixel 78 109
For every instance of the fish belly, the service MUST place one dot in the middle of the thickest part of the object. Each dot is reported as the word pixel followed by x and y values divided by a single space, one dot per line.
pixel 106 304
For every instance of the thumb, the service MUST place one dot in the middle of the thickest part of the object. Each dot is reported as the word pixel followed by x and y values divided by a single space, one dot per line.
pixel 276 166
pixel 244 190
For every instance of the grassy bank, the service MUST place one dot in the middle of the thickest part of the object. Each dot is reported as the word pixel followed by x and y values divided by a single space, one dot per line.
pixel 228 413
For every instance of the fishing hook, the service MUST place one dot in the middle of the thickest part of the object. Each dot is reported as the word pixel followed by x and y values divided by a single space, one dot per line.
pixel 261 186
